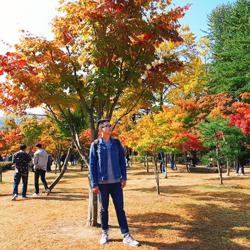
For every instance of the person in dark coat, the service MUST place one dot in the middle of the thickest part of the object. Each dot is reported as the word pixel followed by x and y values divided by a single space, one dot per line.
pixel 21 161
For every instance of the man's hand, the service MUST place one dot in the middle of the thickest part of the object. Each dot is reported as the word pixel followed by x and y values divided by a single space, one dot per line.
pixel 96 190
pixel 123 182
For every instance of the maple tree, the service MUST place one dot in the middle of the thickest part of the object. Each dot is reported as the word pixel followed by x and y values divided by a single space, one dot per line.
pixel 101 52
pixel 10 136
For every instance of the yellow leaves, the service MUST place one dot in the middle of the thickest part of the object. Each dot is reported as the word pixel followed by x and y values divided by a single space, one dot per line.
pixel 155 131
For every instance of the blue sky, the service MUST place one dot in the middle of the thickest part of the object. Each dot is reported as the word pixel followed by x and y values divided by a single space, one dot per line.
pixel 36 15
pixel 196 17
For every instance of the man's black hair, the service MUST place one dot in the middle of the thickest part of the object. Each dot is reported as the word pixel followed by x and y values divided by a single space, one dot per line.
pixel 101 122
pixel 39 145
pixel 23 147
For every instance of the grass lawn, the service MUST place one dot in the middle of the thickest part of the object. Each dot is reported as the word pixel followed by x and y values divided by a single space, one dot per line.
pixel 192 212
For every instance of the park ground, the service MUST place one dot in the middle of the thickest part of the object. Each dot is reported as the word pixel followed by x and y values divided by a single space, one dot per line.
pixel 192 212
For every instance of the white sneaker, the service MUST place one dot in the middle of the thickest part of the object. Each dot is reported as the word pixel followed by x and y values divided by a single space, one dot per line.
pixel 105 238
pixel 35 195
pixel 47 190
pixel 129 240
pixel 236 174
pixel 14 197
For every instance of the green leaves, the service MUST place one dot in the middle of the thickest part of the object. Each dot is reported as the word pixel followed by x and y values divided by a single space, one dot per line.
pixel 216 134
pixel 230 38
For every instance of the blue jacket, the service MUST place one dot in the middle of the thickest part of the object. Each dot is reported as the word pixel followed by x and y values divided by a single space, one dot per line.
pixel 98 161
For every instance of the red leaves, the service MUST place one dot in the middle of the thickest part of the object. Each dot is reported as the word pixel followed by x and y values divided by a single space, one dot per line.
pixel 242 117
pixel 11 62
pixel 189 142
pixel 106 7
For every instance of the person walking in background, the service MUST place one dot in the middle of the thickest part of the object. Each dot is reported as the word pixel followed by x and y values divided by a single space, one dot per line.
pixel 161 158
pixel 21 160
pixel 40 167
pixel 49 163
pixel 172 161
pixel 108 175
pixel 242 161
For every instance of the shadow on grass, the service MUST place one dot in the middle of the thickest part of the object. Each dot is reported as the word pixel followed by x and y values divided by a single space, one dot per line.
pixel 238 200
pixel 167 190
pixel 228 178
pixel 4 195
pixel 63 197
pixel 142 173
pixel 212 226
pixel 68 175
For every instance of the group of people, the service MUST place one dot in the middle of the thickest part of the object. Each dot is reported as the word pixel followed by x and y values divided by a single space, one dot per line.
pixel 22 160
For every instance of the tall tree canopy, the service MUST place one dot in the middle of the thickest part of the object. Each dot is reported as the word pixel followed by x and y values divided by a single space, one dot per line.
pixel 229 33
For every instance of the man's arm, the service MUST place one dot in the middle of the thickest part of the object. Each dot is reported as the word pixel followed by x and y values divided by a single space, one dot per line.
pixel 14 159
pixel 122 161
pixel 29 159
pixel 93 166
pixel 36 158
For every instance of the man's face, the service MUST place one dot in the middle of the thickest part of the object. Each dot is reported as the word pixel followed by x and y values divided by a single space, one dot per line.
pixel 105 128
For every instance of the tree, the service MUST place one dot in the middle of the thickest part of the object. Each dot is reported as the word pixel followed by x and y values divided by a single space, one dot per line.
pixel 229 33
pixel 222 140
pixel 30 130
pixel 10 136
pixel 101 52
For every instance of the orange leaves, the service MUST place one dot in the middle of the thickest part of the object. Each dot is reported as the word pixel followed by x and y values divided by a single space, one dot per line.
pixel 141 38
pixel 34 75
pixel 86 137
pixel 10 140
pixel 187 105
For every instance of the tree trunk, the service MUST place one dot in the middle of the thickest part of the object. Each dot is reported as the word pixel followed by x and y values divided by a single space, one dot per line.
pixel 187 162
pixel 146 163
pixel 219 166
pixel 64 168
pixel 157 179
pixel 166 167
pixel 93 204
pixel 58 159
pixel 228 168
pixel 92 208
pixel 1 174
pixel 175 164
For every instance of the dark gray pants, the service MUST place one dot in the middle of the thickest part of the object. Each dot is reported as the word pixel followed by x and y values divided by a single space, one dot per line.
pixel 38 173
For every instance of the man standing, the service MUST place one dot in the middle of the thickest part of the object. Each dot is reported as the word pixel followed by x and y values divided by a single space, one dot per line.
pixel 21 160
pixel 108 177
pixel 40 167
